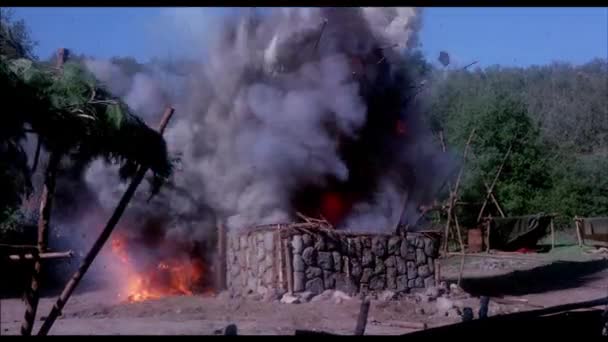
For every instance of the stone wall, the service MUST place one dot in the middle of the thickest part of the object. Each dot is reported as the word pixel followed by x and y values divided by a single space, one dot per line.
pixel 315 260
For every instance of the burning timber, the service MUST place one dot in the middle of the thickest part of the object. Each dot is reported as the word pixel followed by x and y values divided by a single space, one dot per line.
pixel 307 257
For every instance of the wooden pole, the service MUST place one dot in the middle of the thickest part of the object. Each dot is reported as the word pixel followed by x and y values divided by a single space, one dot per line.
pixel 288 265
pixel 552 234
pixel 577 227
pixel 491 188
pixel 221 257
pixel 101 240
pixel 362 319
pixel 32 294
pixel 36 257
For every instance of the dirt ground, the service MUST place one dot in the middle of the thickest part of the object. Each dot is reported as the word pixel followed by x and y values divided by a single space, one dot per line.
pixel 564 275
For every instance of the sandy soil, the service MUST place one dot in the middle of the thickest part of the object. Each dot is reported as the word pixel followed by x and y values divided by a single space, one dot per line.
pixel 565 275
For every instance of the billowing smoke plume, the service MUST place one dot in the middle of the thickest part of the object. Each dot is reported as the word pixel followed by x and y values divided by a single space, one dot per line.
pixel 294 110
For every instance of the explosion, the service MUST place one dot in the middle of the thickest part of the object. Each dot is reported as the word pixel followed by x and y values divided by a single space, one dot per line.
pixel 170 277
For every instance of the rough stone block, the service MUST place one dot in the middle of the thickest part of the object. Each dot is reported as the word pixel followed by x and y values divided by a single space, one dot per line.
pixel 377 283
pixel 337 261
pixel 367 242
pixel 420 257
pixel 367 274
pixel 402 283
pixel 329 280
pixel 431 262
pixel 411 283
pixel 309 255
pixel 297 244
pixel 313 272
pixel 412 272
pixel 403 249
pixel 429 282
pixel 243 241
pixel 325 260
pixel 419 282
pixel 379 246
pixel 355 269
pixel 307 240
pixel 315 286
pixel 394 245
pixel 429 247
pixel 298 263
pixel 368 258
pixel 380 268
pixel 320 243
pixel 260 253
pixel 423 271
pixel 401 265
pixel 391 261
pixel 391 278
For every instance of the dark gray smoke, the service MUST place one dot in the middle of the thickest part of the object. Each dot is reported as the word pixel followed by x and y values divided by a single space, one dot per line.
pixel 271 110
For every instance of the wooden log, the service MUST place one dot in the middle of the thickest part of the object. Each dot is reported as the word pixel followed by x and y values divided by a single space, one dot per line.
pixel 408 325
pixel 362 319
pixel 288 265
pixel 28 247
pixel 46 203
pixel 221 257
pixel 101 240
pixel 552 234
pixel 507 301
pixel 495 256
pixel 577 227
pixel 35 256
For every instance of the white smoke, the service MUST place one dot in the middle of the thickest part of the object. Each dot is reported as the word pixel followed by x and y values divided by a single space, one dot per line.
pixel 251 123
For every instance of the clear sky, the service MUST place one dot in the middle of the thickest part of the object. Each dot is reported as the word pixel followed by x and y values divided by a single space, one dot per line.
pixel 506 36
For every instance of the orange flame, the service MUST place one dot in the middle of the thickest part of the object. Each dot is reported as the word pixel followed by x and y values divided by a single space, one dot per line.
pixel 169 277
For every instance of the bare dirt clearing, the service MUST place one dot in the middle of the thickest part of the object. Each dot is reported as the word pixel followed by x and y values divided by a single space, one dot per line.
pixel 564 275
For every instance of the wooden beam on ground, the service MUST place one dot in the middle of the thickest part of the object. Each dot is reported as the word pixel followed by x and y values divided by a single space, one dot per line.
pixel 495 256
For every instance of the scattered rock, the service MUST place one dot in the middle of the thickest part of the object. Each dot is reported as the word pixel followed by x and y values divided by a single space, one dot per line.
pixel 429 281
pixel 255 297
pixel 341 295
pixel 274 294
pixel 453 313
pixel 309 255
pixel 290 299
pixel 432 292
pixel 443 305
pixel 419 283
pixel 325 295
pixel 467 314
pixel 297 244
pixel 305 296
pixel 387 295
pixel 223 296
pixel 455 289
pixel 419 311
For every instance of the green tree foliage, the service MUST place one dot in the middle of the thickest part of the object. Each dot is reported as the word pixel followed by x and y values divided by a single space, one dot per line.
pixel 555 118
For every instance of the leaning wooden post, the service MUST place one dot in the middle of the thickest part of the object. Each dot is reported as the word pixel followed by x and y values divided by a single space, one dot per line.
pixel 362 319
pixel 101 240
pixel 32 294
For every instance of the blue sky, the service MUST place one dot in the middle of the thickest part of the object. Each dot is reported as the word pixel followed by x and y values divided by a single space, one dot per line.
pixel 506 36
